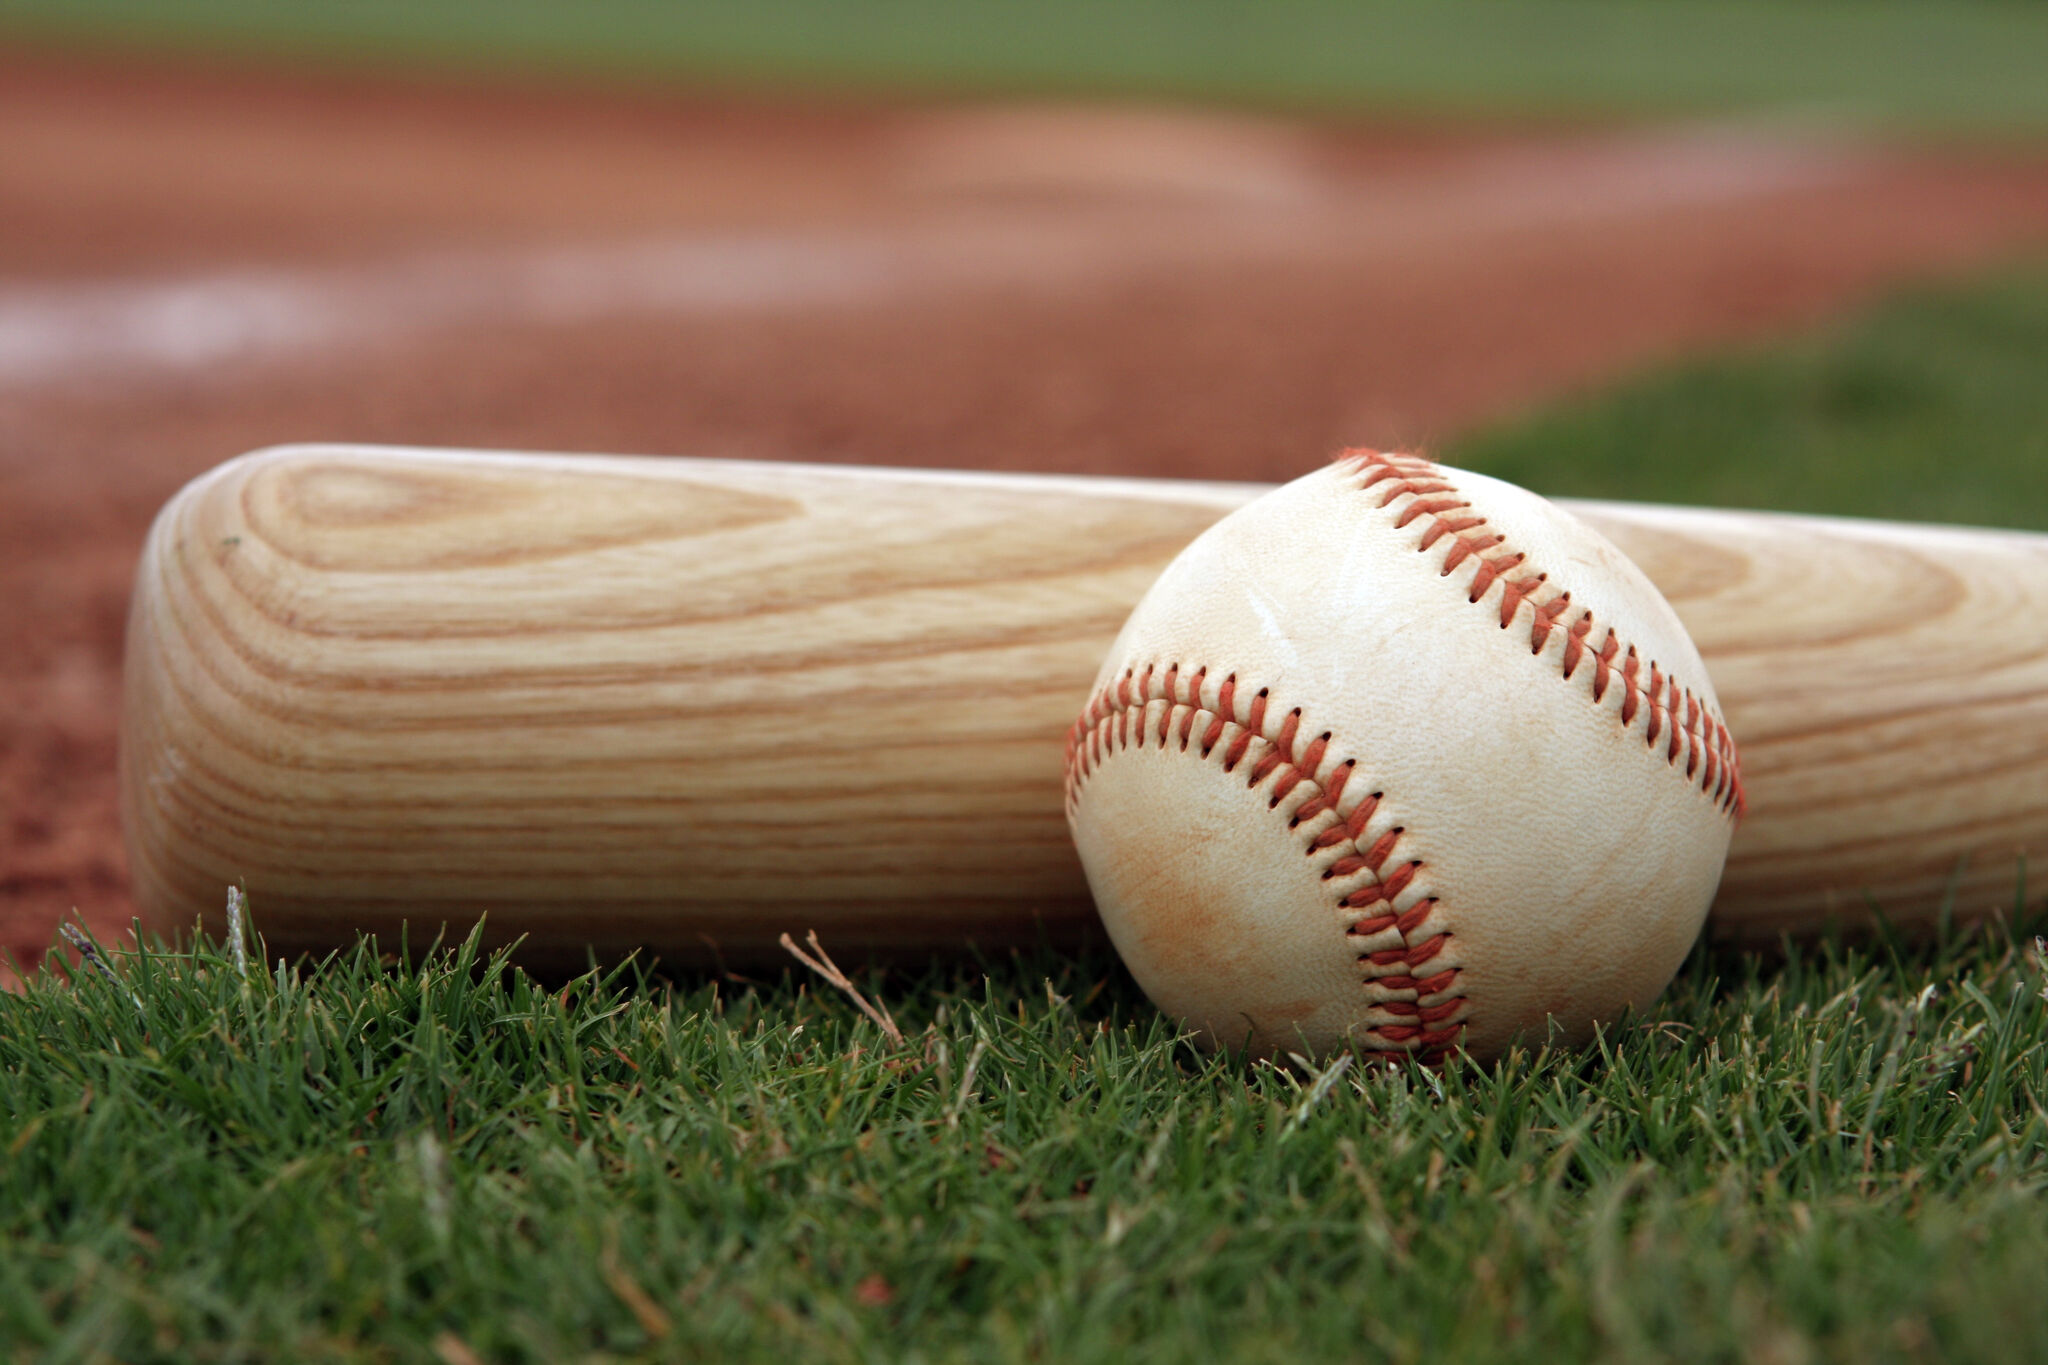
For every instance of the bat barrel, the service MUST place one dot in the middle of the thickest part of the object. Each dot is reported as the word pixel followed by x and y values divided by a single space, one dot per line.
pixel 1888 686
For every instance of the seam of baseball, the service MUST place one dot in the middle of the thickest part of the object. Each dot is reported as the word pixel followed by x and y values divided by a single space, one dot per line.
pixel 1671 713
pixel 1405 944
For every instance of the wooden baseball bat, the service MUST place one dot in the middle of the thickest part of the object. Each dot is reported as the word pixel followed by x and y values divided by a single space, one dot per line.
pixel 691 704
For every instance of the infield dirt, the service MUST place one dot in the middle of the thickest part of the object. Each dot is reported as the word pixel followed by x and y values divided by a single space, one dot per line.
pixel 196 262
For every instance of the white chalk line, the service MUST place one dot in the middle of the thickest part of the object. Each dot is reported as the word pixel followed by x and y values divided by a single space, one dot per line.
pixel 52 332
pixel 200 320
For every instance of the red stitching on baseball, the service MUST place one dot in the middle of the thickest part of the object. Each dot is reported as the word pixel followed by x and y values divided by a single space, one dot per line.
pixel 1115 718
pixel 1712 762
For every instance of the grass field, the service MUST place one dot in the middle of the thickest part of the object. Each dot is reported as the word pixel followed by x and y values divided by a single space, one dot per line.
pixel 1932 407
pixel 1837 1156
pixel 1925 64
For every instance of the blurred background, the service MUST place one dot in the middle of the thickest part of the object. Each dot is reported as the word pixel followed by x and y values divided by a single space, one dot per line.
pixel 1720 251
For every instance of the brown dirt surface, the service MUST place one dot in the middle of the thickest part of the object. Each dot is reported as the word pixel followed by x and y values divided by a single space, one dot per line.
pixel 197 262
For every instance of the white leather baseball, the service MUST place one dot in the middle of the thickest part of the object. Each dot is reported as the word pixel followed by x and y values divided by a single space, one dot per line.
pixel 1403 759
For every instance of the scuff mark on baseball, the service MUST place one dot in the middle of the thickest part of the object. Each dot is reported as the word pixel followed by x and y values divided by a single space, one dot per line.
pixel 1402 759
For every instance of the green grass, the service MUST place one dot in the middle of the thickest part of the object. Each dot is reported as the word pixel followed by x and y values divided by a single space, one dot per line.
pixel 1931 407
pixel 1841 1157
pixel 1929 64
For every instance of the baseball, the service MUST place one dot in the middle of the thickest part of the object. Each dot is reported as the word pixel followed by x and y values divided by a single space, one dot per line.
pixel 1401 759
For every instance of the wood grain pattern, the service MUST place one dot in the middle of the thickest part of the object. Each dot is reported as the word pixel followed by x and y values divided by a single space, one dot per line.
pixel 1888 686
pixel 624 702
pixel 690 704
